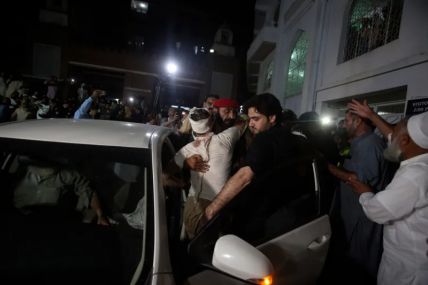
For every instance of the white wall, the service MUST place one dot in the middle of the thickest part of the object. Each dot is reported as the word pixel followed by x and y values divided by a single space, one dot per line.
pixel 262 73
pixel 403 62
pixel 412 41
pixel 303 20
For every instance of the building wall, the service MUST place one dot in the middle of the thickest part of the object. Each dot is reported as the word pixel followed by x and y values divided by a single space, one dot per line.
pixel 402 62
pixel 261 88
pixel 303 20
pixel 388 66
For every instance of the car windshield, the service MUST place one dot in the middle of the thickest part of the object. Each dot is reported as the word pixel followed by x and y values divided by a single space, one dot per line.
pixel 72 211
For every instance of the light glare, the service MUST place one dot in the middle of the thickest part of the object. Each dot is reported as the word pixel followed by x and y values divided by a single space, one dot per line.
pixel 171 67
pixel 326 120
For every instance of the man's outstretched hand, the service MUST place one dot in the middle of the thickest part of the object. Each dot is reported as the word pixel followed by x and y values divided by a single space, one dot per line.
pixel 361 110
pixel 196 163
pixel 358 186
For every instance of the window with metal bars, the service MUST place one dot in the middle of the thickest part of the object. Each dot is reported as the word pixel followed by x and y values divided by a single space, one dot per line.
pixel 296 69
pixel 371 24
pixel 268 75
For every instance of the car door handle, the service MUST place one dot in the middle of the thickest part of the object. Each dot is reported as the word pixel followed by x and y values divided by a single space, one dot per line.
pixel 318 242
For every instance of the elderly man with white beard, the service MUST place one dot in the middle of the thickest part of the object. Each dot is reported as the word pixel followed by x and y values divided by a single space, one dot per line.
pixel 403 206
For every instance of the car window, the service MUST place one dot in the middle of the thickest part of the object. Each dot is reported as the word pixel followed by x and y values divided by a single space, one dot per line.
pixel 56 194
pixel 272 205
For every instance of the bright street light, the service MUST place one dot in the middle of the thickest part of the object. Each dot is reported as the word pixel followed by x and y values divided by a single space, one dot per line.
pixel 171 67
pixel 326 120
pixel 131 99
pixel 211 51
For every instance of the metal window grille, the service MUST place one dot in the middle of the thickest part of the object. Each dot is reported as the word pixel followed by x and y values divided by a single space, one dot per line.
pixel 391 109
pixel 296 70
pixel 371 24
pixel 268 75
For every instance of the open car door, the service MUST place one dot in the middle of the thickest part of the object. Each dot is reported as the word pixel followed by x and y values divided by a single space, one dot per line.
pixel 279 214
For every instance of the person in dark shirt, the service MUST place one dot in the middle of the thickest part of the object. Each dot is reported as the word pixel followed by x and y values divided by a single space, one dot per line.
pixel 272 145
pixel 289 119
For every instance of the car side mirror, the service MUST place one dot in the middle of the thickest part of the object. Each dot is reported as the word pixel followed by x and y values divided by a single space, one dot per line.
pixel 238 258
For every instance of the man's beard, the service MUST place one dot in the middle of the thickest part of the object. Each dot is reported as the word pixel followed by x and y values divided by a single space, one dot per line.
pixel 393 152
pixel 227 122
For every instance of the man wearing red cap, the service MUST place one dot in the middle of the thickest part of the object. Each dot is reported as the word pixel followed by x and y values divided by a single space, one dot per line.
pixel 225 114
pixel 225 111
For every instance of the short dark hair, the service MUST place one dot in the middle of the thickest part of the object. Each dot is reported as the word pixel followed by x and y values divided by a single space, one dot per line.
pixel 288 116
pixel 266 104
pixel 211 96
pixel 364 120
pixel 199 114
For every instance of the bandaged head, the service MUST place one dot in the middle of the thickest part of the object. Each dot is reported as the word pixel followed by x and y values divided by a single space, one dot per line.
pixel 201 126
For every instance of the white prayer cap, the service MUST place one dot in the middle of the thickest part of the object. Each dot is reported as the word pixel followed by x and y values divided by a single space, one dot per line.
pixel 202 126
pixel 418 129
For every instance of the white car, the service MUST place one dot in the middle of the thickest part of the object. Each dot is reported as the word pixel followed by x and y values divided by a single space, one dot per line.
pixel 282 242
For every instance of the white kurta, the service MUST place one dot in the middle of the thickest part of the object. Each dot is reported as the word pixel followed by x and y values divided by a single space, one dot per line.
pixel 403 209
pixel 13 86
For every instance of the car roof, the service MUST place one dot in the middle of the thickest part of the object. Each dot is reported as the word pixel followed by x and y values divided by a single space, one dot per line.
pixel 90 132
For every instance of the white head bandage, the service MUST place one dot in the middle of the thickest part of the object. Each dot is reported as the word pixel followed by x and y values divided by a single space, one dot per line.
pixel 418 129
pixel 202 126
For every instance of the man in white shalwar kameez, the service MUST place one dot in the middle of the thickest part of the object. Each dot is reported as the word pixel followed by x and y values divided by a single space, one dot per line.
pixel 403 206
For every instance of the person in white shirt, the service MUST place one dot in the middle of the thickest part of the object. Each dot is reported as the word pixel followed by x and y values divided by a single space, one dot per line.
pixel 216 151
pixel 403 206
pixel 44 108
pixel 14 85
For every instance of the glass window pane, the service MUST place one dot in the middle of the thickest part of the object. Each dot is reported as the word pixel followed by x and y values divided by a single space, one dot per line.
pixel 268 75
pixel 296 70
pixel 371 24
pixel 96 196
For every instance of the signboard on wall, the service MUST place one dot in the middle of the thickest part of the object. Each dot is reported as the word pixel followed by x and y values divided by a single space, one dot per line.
pixel 416 106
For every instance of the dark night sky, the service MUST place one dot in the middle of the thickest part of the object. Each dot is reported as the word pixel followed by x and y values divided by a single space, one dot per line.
pixel 238 14
pixel 113 23
pixel 187 21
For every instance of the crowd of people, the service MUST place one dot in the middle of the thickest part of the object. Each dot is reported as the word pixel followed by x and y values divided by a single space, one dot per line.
pixel 378 213
pixel 375 188
pixel 20 102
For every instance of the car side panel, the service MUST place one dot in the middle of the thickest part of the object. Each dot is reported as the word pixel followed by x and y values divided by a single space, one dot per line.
pixel 297 256
pixel 210 277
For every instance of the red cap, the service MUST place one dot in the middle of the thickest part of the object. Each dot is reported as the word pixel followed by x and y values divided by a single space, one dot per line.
pixel 225 103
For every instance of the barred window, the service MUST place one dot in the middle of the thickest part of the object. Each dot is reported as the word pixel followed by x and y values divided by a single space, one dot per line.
pixel 371 24
pixel 296 69
pixel 268 75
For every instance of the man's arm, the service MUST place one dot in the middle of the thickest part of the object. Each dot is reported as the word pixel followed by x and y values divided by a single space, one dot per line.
pixel 196 163
pixel 232 188
pixel 96 206
pixel 87 104
pixel 396 202
pixel 168 175
pixel 82 189
pixel 366 112
pixel 341 174
pixel 167 123
pixel 84 108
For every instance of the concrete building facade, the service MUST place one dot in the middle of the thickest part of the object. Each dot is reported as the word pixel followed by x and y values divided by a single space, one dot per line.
pixel 322 53
pixel 56 43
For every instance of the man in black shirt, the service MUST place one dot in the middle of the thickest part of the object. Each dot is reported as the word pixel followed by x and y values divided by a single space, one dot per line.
pixel 272 145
